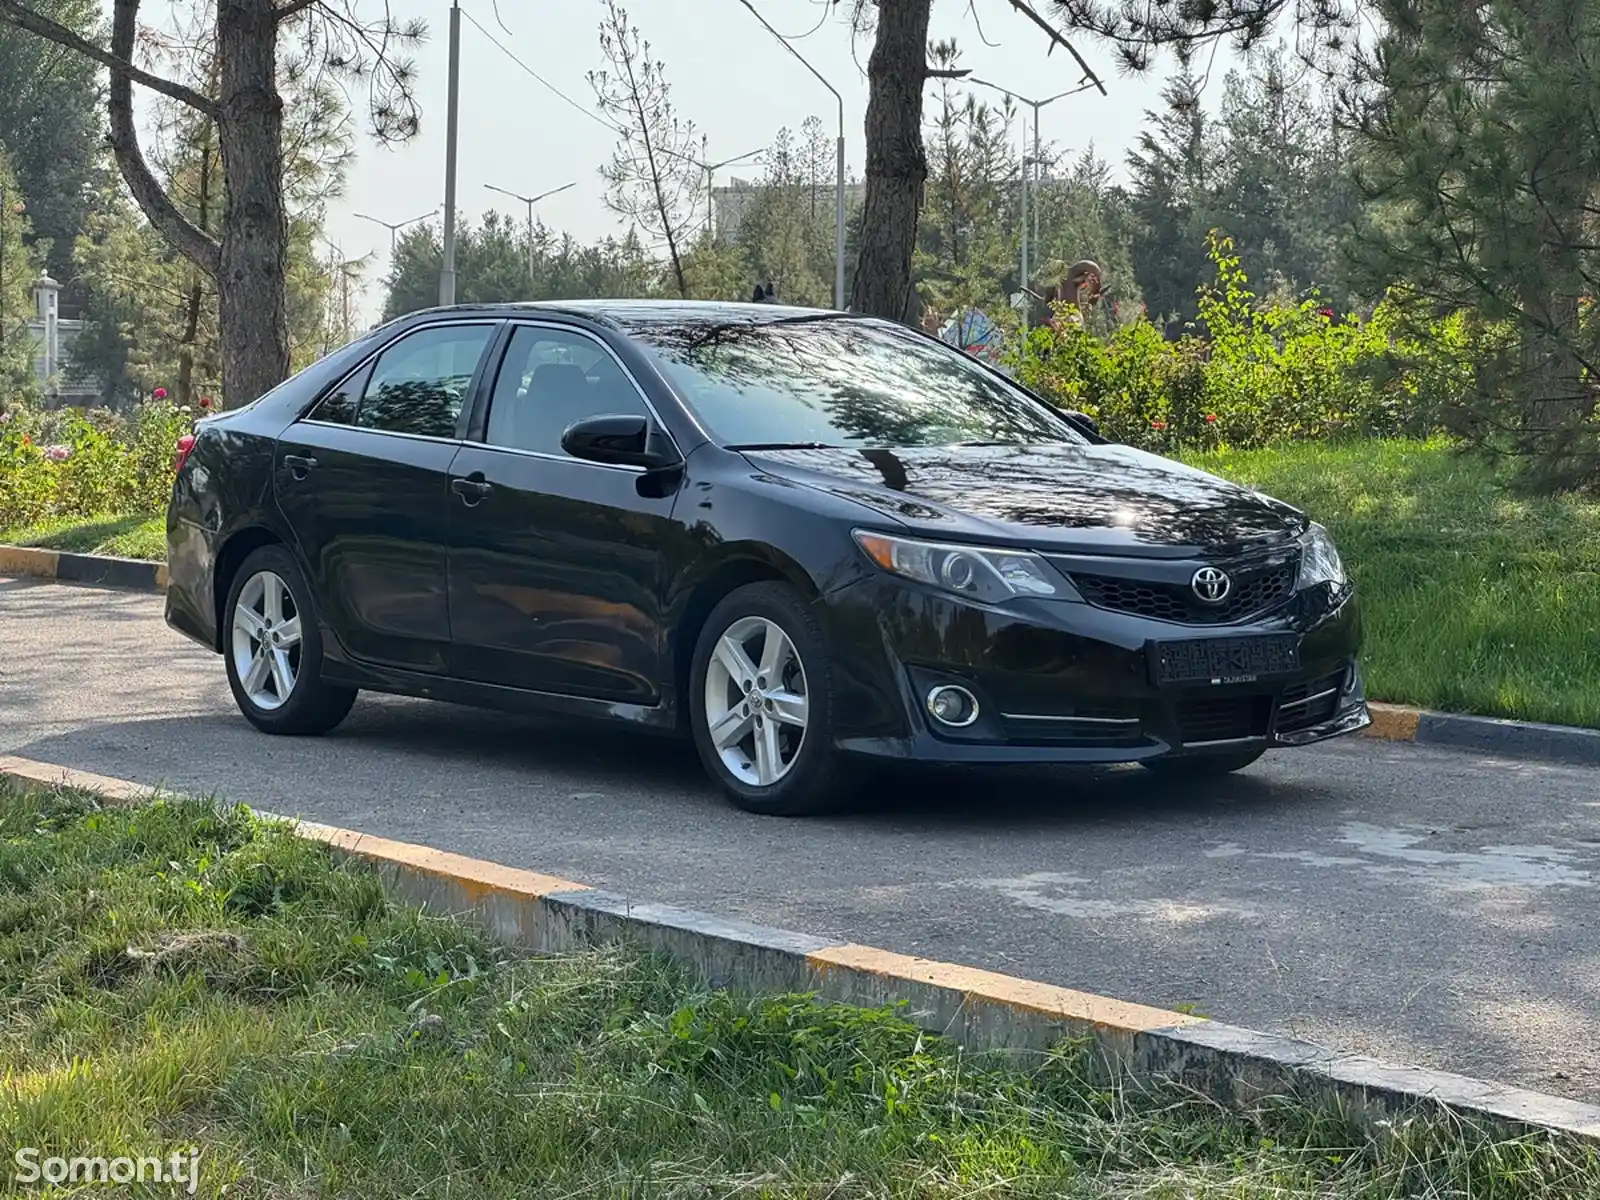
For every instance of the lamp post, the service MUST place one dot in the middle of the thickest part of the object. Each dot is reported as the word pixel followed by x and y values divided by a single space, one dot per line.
pixel 710 168
pixel 838 203
pixel 447 271
pixel 1036 105
pixel 394 228
pixel 530 201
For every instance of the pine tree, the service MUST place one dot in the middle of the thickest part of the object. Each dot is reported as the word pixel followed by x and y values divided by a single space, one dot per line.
pixel 1171 190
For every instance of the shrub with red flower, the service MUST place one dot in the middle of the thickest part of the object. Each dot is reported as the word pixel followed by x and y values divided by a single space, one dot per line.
pixel 160 393
pixel 1211 418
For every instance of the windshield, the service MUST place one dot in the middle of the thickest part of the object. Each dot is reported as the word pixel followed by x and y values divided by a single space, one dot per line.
pixel 833 381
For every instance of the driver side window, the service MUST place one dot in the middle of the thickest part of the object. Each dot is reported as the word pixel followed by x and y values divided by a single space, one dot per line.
pixel 549 379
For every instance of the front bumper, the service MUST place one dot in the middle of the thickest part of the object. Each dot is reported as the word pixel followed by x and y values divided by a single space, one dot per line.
pixel 1067 682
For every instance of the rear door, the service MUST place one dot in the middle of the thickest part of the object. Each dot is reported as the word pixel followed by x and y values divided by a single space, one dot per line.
pixel 363 481
pixel 555 562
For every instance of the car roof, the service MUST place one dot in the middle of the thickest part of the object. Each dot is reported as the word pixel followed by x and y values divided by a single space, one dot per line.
pixel 635 314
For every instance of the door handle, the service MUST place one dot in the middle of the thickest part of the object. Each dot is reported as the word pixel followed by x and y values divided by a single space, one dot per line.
pixel 470 490
pixel 299 465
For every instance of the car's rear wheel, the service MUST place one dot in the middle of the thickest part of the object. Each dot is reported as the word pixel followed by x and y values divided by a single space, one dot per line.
pixel 273 647
pixel 1202 765
pixel 761 705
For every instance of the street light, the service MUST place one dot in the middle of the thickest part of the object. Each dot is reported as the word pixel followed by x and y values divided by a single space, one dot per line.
pixel 447 269
pixel 394 228
pixel 838 204
pixel 711 168
pixel 1036 105
pixel 530 201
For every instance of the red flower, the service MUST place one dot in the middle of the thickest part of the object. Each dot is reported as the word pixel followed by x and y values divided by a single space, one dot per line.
pixel 1211 418
pixel 205 401
pixel 26 440
pixel 160 393
pixel 1325 313
pixel 1158 424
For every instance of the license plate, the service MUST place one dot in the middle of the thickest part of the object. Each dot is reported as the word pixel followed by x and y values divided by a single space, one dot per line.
pixel 1225 660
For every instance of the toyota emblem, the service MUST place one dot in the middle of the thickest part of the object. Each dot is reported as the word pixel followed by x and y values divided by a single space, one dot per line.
pixel 1211 585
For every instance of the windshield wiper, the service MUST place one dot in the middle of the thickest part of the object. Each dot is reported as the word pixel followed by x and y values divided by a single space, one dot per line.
pixel 783 446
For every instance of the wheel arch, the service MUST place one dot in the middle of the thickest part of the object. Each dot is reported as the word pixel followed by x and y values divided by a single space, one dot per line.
pixel 230 557
pixel 738 567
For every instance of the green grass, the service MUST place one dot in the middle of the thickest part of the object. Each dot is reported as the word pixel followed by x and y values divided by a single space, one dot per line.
pixel 173 976
pixel 1475 600
pixel 121 537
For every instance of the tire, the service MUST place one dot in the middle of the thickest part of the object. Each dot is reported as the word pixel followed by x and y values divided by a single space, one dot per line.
pixel 1202 766
pixel 810 775
pixel 307 705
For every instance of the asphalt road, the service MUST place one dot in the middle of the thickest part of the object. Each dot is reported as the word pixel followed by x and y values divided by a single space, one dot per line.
pixel 1423 906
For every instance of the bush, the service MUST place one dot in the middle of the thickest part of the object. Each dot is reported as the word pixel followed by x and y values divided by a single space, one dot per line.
pixel 1263 371
pixel 72 464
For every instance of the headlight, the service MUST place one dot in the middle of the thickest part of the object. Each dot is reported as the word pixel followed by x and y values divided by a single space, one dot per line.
pixel 980 572
pixel 1319 561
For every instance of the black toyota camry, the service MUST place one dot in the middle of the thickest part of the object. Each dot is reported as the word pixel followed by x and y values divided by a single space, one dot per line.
pixel 806 539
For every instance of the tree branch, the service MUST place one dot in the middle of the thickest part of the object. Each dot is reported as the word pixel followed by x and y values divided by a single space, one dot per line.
pixel 182 234
pixel 14 12
pixel 1058 38
pixel 290 8
pixel 948 72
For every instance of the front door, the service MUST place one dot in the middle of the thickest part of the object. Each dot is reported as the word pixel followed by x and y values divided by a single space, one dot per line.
pixel 363 481
pixel 555 562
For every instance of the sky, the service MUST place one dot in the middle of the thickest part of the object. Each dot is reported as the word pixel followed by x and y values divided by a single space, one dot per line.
pixel 729 76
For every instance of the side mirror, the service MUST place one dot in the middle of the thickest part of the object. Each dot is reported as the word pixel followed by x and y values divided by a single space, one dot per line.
pixel 618 439
pixel 1084 422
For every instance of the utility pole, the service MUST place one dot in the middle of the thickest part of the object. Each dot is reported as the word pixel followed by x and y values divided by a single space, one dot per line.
pixel 1090 81
pixel 838 201
pixel 447 273
pixel 530 201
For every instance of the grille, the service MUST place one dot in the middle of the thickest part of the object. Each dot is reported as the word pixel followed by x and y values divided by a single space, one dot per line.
pixel 1223 719
pixel 1254 591
pixel 1311 703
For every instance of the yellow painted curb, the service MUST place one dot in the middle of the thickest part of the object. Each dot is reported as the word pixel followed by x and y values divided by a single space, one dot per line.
pixel 1393 722
pixel 39 775
pixel 28 560
pixel 1006 991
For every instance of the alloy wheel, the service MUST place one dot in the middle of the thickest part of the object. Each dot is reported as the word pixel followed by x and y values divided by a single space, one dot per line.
pixel 756 701
pixel 266 640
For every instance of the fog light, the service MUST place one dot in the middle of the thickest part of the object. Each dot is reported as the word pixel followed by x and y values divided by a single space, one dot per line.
pixel 952 705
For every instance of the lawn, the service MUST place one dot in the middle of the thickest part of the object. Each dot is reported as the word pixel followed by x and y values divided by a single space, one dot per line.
pixel 120 537
pixel 1475 600
pixel 174 976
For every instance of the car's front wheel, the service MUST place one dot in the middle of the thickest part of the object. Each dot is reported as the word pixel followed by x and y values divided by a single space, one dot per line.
pixel 273 647
pixel 760 704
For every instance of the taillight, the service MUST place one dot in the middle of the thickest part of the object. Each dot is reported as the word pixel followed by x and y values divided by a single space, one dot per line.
pixel 185 445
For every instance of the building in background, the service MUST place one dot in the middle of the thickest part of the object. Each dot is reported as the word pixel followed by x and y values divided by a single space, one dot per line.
pixel 53 336
pixel 731 201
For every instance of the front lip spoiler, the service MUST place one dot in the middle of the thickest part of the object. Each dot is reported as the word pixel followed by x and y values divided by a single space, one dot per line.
pixel 923 747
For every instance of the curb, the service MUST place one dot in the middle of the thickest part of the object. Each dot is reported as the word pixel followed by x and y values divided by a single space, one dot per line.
pixel 97 569
pixel 1236 1067
pixel 1485 735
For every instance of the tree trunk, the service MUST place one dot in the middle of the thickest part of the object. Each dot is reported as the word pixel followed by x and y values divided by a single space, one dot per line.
pixel 897 165
pixel 252 308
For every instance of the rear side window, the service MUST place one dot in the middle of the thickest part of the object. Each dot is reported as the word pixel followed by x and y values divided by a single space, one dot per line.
pixel 419 384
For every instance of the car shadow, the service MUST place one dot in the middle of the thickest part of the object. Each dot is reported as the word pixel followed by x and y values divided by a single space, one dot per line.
pixel 400 741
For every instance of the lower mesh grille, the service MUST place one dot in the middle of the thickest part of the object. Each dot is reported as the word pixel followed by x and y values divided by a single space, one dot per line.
pixel 1223 719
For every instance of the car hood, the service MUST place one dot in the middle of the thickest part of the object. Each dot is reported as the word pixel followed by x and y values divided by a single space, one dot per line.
pixel 1092 499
